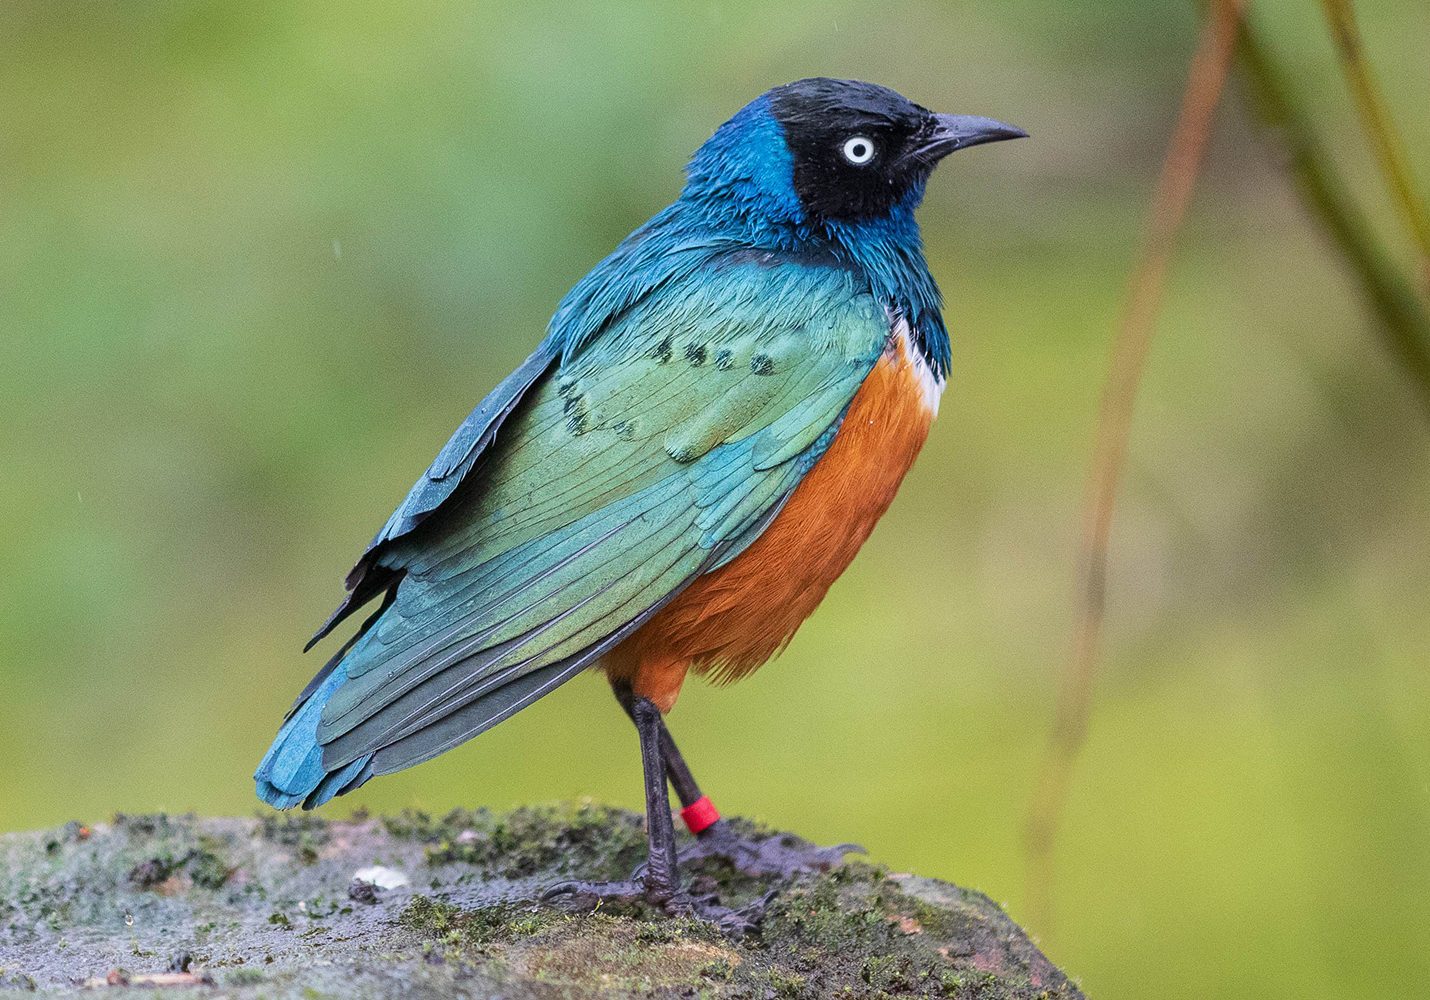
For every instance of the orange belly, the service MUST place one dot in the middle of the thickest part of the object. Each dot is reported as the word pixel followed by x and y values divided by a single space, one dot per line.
pixel 732 620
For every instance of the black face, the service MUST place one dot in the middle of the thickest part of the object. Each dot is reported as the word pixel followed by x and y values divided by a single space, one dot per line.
pixel 851 143
pixel 859 148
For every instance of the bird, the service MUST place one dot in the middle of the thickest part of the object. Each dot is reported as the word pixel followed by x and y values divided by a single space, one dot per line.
pixel 719 413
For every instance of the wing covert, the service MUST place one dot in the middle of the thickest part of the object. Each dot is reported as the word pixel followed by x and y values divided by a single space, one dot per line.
pixel 653 453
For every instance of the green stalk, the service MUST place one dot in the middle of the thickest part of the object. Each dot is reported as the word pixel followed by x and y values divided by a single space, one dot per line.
pixel 1403 322
pixel 1385 139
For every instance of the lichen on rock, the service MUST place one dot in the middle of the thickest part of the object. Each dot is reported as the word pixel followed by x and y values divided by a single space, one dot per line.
pixel 269 907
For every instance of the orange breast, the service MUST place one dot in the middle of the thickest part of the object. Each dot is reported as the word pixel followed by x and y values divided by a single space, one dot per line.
pixel 730 621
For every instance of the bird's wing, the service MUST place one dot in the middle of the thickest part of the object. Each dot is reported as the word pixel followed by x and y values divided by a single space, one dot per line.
pixel 462 452
pixel 656 452
pixel 644 264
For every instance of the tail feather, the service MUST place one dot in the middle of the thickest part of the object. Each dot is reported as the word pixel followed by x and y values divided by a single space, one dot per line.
pixel 292 771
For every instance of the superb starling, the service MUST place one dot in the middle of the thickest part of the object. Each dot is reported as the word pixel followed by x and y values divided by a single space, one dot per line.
pixel 720 412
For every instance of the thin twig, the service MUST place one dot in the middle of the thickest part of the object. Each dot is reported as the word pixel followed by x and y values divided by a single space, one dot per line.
pixel 1384 138
pixel 1403 321
pixel 1181 166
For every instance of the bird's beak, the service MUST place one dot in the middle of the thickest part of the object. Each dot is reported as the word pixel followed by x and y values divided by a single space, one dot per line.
pixel 953 132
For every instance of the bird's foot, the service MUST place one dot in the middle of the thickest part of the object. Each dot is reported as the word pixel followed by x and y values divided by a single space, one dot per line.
pixel 759 855
pixel 581 894
pixel 704 904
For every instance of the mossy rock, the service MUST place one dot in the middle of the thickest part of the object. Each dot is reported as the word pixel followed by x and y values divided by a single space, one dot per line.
pixel 269 907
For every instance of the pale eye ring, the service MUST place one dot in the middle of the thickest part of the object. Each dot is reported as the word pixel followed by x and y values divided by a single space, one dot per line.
pixel 858 149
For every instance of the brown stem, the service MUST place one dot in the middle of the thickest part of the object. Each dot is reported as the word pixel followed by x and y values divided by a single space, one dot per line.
pixel 1206 80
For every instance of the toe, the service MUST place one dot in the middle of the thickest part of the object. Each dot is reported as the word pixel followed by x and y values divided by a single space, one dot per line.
pixel 591 894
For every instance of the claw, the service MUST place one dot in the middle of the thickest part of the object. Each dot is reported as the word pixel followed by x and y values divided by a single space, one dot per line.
pixel 594 893
pixel 732 923
pixel 559 889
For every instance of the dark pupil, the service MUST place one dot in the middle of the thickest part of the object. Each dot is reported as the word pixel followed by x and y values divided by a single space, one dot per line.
pixel 859 150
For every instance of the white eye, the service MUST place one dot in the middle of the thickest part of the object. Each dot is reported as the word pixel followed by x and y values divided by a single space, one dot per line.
pixel 858 150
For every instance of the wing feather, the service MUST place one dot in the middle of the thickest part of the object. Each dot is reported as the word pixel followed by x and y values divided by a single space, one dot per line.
pixel 554 524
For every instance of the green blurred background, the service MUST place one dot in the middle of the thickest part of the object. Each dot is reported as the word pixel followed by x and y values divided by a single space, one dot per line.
pixel 257 260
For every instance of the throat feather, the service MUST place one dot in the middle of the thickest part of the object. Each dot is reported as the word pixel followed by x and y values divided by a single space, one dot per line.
pixel 930 384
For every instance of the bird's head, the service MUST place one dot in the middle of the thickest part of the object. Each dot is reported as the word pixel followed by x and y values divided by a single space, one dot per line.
pixel 822 153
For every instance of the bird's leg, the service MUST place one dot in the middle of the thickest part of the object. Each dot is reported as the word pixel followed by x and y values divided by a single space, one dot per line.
pixel 661 879
pixel 662 885
pixel 750 854
pixel 697 811
pixel 678 771
pixel 658 880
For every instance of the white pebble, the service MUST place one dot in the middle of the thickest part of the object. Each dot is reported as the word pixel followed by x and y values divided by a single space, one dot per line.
pixel 383 878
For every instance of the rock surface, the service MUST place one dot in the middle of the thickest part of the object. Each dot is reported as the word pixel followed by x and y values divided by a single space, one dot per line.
pixel 447 907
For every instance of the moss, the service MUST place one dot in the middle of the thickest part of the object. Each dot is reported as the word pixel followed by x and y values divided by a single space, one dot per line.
pixel 16 981
pixel 152 871
pixel 598 950
pixel 413 824
pixel 305 832
pixel 143 825
pixel 439 920
pixel 620 956
pixel 853 932
pixel 596 841
pixel 857 931
pixel 73 832
pixel 718 969
pixel 665 930
pixel 783 983
pixel 203 865
pixel 207 866
pixel 285 929
pixel 429 916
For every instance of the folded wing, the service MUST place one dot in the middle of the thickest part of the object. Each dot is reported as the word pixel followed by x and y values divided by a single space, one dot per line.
pixel 654 453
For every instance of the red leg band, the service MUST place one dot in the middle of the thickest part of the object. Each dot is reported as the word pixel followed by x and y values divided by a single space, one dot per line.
pixel 700 814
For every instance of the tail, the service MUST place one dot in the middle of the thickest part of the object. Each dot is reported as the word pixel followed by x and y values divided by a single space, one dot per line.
pixel 292 771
